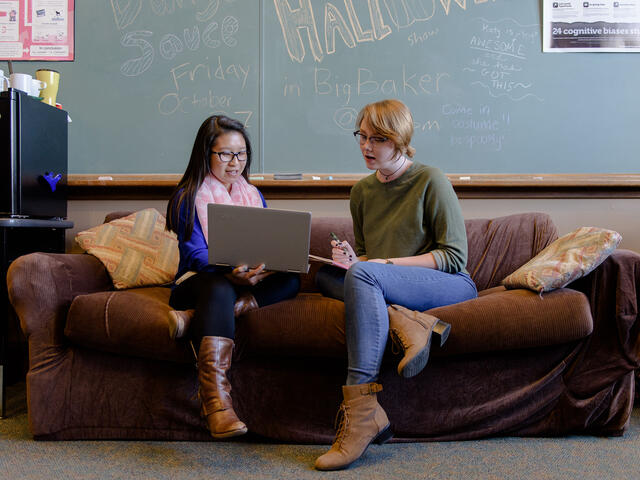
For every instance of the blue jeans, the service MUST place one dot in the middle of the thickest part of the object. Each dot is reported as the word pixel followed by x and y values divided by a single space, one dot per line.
pixel 367 289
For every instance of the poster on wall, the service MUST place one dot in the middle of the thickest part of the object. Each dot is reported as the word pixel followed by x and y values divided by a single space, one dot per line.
pixel 36 30
pixel 585 26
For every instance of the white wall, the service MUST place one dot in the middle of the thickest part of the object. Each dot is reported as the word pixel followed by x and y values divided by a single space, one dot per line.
pixel 568 214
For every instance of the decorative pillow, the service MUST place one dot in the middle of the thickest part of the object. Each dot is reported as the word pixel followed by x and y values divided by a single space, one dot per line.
pixel 136 250
pixel 568 258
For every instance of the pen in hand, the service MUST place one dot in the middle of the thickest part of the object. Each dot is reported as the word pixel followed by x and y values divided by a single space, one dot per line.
pixel 346 255
pixel 335 237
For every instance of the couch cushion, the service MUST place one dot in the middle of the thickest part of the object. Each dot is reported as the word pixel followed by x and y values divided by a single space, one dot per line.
pixel 128 322
pixel 515 319
pixel 309 325
pixel 134 322
pixel 136 249
pixel 499 246
pixel 568 258
pixel 312 325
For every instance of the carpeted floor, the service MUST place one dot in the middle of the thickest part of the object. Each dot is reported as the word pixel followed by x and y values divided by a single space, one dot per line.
pixel 582 458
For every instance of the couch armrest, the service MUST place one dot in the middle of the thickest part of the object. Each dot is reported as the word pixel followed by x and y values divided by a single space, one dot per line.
pixel 503 319
pixel 41 287
pixel 614 349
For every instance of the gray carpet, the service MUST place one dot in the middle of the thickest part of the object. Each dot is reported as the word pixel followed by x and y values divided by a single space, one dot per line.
pixel 572 458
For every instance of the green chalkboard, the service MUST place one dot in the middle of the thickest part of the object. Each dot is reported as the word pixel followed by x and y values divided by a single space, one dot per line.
pixel 485 98
pixel 148 72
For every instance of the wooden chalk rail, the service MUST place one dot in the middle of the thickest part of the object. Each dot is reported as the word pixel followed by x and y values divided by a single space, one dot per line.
pixel 337 186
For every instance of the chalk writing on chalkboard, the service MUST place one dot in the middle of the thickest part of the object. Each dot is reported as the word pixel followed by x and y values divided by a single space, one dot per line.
pixel 348 23
pixel 484 97
pixel 499 52
pixel 171 45
pixel 126 12
pixel 471 127
pixel 502 48
pixel 187 46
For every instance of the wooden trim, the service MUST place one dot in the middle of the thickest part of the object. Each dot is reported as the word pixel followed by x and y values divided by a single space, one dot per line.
pixel 338 186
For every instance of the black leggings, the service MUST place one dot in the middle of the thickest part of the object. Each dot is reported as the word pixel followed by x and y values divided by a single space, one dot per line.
pixel 213 297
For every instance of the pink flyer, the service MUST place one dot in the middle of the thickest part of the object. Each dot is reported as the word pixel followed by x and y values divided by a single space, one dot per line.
pixel 36 30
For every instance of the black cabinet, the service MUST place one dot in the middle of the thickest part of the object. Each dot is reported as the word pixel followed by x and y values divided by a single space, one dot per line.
pixel 33 148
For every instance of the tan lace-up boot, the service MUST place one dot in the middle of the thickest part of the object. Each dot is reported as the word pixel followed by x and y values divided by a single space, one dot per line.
pixel 411 331
pixel 214 359
pixel 362 421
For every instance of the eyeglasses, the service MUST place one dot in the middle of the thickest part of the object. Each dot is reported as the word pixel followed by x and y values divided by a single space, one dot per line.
pixel 362 138
pixel 226 157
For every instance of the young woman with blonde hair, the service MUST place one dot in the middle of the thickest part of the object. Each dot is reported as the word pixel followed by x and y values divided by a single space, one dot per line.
pixel 410 251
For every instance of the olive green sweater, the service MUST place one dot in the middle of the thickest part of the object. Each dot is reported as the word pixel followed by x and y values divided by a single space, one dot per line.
pixel 414 214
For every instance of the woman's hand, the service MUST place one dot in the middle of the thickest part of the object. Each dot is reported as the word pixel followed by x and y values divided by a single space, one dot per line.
pixel 243 275
pixel 343 253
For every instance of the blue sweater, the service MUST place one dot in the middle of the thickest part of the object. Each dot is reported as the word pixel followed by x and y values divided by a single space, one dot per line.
pixel 194 254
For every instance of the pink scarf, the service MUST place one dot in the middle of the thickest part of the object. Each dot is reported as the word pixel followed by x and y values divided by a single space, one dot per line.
pixel 213 190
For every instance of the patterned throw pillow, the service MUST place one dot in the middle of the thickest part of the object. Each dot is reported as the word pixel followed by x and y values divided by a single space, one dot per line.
pixel 568 258
pixel 136 250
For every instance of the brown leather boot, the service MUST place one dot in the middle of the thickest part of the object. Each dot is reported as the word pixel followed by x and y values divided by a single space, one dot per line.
pixel 179 321
pixel 214 359
pixel 362 421
pixel 244 303
pixel 411 331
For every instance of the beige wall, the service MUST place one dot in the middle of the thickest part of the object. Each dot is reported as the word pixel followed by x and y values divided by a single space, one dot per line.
pixel 616 214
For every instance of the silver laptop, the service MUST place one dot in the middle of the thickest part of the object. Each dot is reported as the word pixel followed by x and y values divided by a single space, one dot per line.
pixel 253 235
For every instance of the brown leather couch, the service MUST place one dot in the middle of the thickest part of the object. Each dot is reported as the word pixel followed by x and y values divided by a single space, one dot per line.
pixel 102 364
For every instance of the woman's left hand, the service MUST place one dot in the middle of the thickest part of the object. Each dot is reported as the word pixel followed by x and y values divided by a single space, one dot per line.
pixel 243 275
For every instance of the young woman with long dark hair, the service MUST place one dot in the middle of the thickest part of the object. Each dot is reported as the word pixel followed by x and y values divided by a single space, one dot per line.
pixel 218 172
